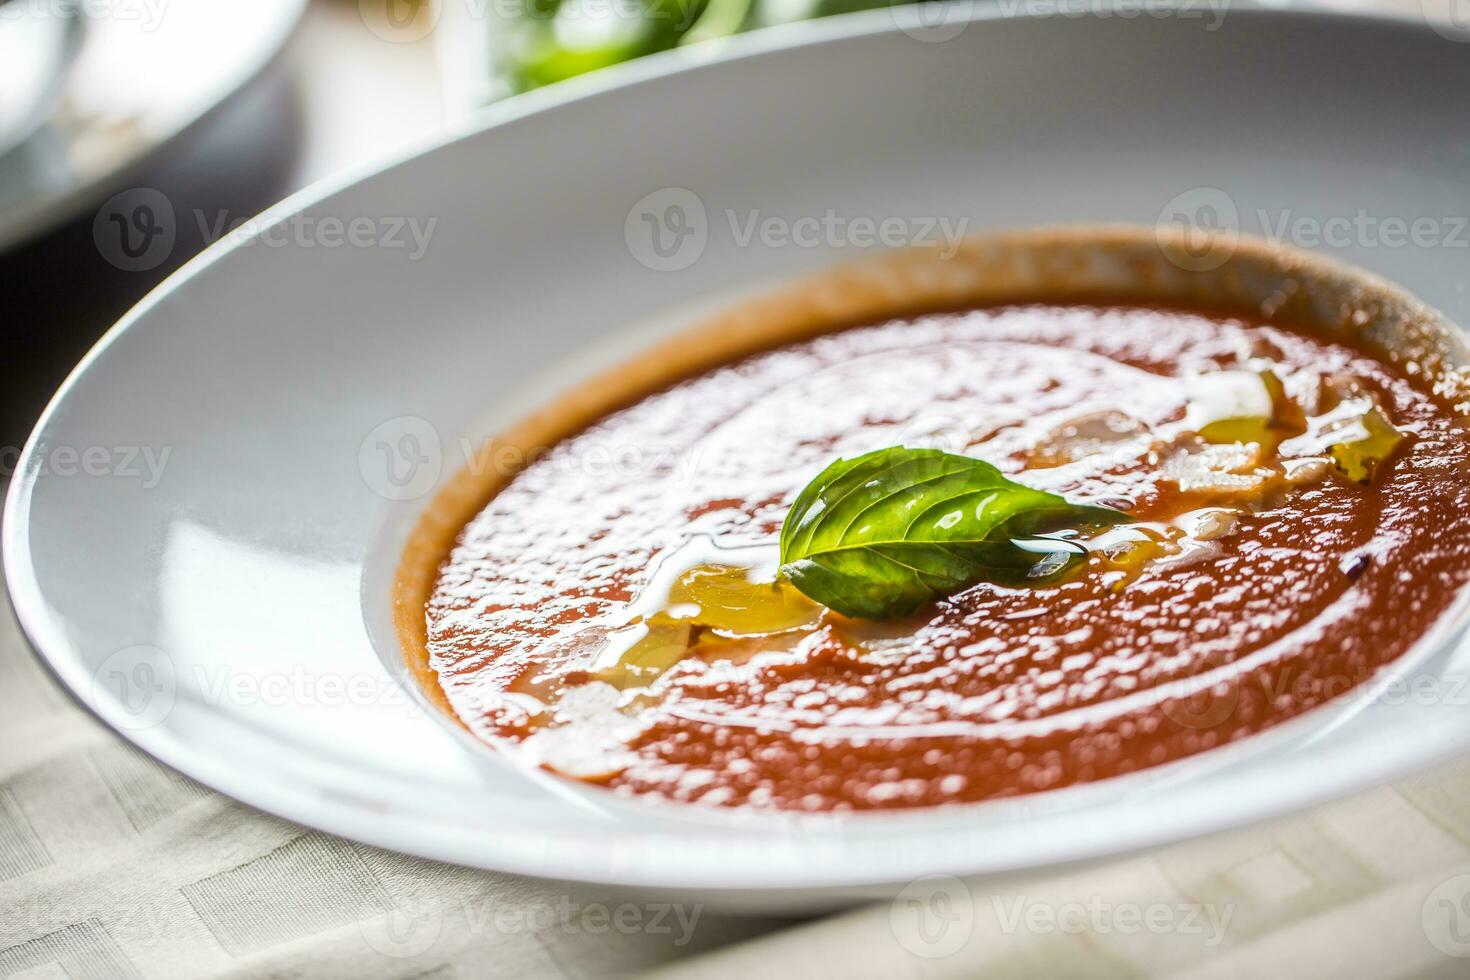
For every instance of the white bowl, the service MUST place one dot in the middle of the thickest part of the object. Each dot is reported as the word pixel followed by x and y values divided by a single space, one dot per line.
pixel 224 606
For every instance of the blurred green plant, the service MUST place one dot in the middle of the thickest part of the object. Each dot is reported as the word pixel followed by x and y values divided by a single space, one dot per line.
pixel 537 42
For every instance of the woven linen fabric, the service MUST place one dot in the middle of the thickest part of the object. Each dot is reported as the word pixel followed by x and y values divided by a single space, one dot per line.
pixel 1374 886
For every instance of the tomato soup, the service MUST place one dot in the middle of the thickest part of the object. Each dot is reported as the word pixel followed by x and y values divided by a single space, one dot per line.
pixel 1297 516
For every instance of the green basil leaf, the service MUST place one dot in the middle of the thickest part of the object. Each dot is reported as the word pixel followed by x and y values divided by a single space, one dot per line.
pixel 885 533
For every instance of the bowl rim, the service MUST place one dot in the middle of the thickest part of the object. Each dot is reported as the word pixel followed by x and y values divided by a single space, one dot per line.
pixel 1047 263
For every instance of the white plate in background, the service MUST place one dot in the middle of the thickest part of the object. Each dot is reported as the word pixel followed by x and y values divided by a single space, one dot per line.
pixel 147 72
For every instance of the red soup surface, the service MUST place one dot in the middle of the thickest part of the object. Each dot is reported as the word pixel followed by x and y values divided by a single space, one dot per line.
pixel 1301 515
